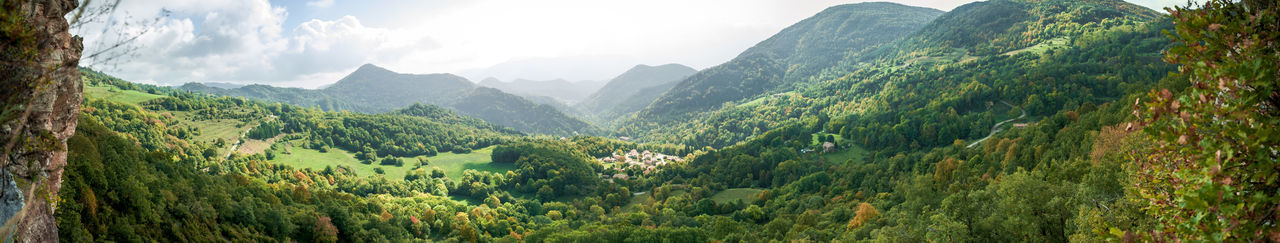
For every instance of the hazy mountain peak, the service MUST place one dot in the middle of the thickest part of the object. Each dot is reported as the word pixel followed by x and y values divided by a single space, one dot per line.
pixel 660 68
pixel 370 68
pixel 633 89
pixel 560 89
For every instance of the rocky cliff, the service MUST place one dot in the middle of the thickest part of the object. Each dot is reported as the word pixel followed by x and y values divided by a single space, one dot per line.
pixel 41 92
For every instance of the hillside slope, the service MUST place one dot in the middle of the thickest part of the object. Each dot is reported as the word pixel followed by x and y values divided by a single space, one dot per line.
pixel 790 57
pixel 900 75
pixel 632 90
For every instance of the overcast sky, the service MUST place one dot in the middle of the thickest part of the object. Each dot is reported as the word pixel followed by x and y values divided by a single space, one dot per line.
pixel 310 43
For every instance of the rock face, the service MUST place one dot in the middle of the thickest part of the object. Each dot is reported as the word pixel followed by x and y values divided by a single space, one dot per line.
pixel 40 88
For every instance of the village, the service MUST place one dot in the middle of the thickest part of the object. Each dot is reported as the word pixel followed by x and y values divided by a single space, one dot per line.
pixel 646 160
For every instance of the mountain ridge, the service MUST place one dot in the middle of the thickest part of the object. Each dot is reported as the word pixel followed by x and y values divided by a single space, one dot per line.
pixel 788 57
pixel 564 91
pixel 374 89
pixel 622 94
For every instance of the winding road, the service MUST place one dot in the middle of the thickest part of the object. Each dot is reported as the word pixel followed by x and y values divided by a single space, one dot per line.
pixel 240 140
pixel 996 129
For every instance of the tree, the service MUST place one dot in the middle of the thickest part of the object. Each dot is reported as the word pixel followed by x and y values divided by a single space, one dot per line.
pixel 325 231
pixel 437 173
pixel 546 193
pixel 1214 173
pixel 390 160
pixel 865 213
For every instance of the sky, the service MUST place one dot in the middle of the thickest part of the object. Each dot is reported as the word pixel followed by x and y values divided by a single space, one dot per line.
pixel 311 43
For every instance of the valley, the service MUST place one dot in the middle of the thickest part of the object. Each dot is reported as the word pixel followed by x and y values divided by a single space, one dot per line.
pixel 994 121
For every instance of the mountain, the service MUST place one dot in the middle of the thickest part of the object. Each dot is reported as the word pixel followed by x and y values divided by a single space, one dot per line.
pixel 575 67
pixel 296 96
pixel 553 102
pixel 498 107
pixel 1000 26
pixel 376 89
pixel 446 116
pixel 790 57
pixel 373 89
pixel 891 76
pixel 223 85
pixel 633 90
pixel 562 90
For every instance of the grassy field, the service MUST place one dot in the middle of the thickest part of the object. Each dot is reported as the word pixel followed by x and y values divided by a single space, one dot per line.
pixel 298 156
pixel 843 154
pixel 213 129
pixel 854 153
pixel 1042 46
pixel 747 195
pixel 452 164
pixel 115 94
pixel 254 146
pixel 210 130
pixel 814 140
pixel 761 100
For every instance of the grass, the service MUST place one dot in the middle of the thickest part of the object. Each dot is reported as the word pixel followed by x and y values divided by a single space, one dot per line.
pixel 213 129
pixel 1042 46
pixel 854 153
pixel 847 152
pixel 452 164
pixel 761 100
pixel 254 146
pixel 298 156
pixel 747 195
pixel 116 94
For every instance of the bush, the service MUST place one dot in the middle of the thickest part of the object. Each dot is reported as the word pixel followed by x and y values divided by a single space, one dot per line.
pixel 392 161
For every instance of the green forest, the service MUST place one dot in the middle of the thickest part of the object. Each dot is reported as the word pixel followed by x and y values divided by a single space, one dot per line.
pixel 997 121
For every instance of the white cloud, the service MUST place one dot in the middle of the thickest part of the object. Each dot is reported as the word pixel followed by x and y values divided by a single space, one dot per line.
pixel 320 3
pixel 245 42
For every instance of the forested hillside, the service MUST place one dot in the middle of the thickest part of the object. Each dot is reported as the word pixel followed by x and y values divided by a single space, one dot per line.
pixel 1075 63
pixel 510 110
pixel 372 89
pixel 789 58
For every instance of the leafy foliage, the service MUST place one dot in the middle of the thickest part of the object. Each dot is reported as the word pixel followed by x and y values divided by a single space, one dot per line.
pixel 1213 172
pixel 264 131
pixel 549 168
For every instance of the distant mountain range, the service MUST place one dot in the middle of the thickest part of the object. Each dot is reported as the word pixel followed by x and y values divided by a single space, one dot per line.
pixel 632 91
pixel 373 89
pixel 564 91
